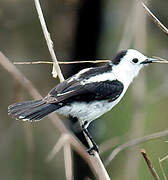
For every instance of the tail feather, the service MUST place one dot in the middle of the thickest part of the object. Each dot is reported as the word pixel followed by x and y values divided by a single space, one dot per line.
pixel 44 112
pixel 24 105
pixel 31 110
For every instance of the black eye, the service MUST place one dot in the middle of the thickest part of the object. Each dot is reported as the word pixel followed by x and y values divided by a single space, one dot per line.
pixel 135 60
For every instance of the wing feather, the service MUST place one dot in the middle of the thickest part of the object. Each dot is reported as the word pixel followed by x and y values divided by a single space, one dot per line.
pixel 75 91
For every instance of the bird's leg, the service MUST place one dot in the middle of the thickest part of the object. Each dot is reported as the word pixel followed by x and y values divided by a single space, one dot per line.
pixel 78 131
pixel 94 147
pixel 81 132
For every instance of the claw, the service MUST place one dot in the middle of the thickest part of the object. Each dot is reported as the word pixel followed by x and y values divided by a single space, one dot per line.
pixel 92 149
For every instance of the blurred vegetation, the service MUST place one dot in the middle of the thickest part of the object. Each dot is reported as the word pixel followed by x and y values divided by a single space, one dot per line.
pixel 24 146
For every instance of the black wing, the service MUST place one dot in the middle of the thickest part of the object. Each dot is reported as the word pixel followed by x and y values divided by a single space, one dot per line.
pixel 68 92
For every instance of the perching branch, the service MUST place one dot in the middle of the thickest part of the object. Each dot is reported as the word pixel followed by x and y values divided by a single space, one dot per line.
pixel 56 68
pixel 155 19
pixel 150 166
pixel 134 142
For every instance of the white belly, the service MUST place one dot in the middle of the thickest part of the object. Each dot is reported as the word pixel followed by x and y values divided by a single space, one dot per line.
pixel 88 111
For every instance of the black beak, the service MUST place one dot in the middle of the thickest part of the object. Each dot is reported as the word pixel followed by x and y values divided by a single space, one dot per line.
pixel 149 60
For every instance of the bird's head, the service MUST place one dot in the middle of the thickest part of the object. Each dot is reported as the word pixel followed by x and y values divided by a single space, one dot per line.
pixel 128 63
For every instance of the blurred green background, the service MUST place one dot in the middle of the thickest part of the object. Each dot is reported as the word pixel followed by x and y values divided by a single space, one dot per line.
pixel 143 110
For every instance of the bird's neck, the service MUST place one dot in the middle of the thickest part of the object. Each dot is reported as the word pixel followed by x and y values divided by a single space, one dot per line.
pixel 125 73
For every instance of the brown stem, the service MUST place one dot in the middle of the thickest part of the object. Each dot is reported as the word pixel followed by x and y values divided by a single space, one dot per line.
pixel 149 164
pixel 155 19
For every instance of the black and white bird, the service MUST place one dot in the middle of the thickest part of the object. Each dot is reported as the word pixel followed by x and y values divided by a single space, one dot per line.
pixel 88 94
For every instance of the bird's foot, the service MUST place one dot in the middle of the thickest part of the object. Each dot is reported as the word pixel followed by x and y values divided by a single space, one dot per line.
pixel 92 149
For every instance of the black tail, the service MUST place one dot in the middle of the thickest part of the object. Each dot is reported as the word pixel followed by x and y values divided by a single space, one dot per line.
pixel 31 110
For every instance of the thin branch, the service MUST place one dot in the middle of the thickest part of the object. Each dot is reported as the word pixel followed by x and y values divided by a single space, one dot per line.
pixel 94 164
pixel 164 158
pixel 155 19
pixel 109 144
pixel 150 166
pixel 134 142
pixel 56 68
pixel 68 161
pixel 60 143
pixel 161 59
pixel 161 167
pixel 61 62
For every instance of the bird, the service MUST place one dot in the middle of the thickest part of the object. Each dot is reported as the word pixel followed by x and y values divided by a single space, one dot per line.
pixel 88 94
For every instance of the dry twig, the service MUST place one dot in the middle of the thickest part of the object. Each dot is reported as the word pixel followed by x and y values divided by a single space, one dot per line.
pixel 150 166
pixel 60 143
pixel 155 19
pixel 56 68
pixel 109 144
pixel 134 142
pixel 68 161
pixel 61 62
pixel 164 158
pixel 161 167
pixel 161 60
